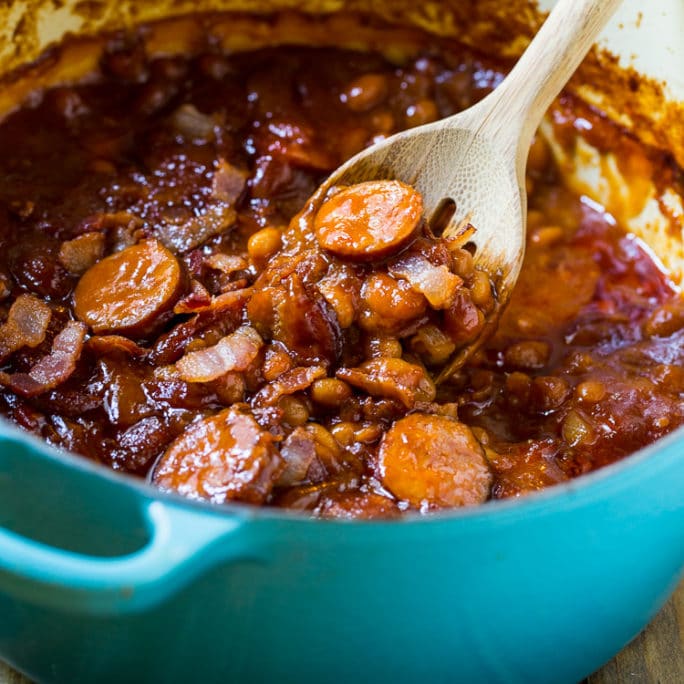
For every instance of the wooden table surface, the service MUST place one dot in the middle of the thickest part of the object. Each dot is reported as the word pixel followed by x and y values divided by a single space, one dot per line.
pixel 656 656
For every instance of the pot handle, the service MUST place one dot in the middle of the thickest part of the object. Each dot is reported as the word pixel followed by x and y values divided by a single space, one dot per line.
pixel 182 544
pixel 51 502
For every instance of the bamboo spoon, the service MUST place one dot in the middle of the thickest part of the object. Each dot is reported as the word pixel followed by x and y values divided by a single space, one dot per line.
pixel 476 159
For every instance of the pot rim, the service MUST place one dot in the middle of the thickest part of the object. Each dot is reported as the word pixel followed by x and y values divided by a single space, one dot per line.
pixel 596 485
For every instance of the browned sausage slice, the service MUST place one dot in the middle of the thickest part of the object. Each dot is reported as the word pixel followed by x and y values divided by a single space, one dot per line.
pixel 126 292
pixel 369 220
pixel 434 461
pixel 225 457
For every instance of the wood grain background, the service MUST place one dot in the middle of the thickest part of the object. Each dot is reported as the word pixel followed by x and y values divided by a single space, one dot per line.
pixel 656 656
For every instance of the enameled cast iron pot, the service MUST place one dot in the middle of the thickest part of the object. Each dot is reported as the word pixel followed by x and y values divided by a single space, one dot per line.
pixel 102 579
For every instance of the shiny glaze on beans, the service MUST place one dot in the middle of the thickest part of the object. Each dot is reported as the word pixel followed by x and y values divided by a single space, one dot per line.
pixel 167 313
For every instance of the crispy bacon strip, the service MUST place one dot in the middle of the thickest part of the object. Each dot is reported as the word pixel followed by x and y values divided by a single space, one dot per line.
pixel 234 352
pixel 26 325
pixel 291 381
pixel 55 368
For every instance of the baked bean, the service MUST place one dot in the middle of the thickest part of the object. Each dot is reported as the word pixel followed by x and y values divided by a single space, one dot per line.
pixel 383 347
pixel 548 393
pixel 665 320
pixel 518 387
pixel 576 429
pixel 295 410
pixel 388 306
pixel 221 458
pixel 383 121
pixel 420 113
pixel 365 92
pixel 433 461
pixel 330 392
pixel 528 355
pixel 432 345
pixel 263 244
pixel 540 155
pixel 546 236
pixel 591 391
pixel 344 433
pixel 463 321
pixel 128 292
pixel 369 220
pixel 481 291
pixel 463 263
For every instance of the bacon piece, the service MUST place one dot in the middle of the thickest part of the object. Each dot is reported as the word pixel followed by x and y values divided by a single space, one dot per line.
pixel 193 124
pixel 26 325
pixel 392 378
pixel 303 323
pixel 199 298
pixel 299 453
pixel 228 183
pixel 223 311
pixel 55 368
pixel 115 345
pixel 295 380
pixel 436 283
pixel 235 352
pixel 226 263
pixel 186 236
pixel 84 251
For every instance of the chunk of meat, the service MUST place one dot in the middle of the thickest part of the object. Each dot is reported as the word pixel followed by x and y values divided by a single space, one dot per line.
pixel 228 183
pixel 129 292
pixel 193 124
pixel 368 221
pixel 115 346
pixel 234 352
pixel 222 313
pixel 392 378
pixel 304 324
pixel 434 461
pixel 84 251
pixel 190 233
pixel 295 380
pixel 26 325
pixel 299 456
pixel 389 306
pixel 436 283
pixel 222 458
pixel 52 370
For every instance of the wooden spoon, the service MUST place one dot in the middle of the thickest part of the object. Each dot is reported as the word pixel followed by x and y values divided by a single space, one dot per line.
pixel 476 159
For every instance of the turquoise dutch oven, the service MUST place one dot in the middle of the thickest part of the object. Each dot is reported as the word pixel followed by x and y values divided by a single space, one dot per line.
pixel 104 579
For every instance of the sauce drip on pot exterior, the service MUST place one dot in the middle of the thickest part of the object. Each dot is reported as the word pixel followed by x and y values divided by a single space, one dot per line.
pixel 166 313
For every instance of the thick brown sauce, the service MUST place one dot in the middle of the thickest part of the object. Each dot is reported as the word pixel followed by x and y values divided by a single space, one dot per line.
pixel 190 158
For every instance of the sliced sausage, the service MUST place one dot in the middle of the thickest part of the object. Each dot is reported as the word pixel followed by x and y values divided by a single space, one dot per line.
pixel 369 220
pixel 222 458
pixel 434 461
pixel 129 291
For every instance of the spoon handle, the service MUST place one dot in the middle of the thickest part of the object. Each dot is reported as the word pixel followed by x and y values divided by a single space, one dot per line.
pixel 517 106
